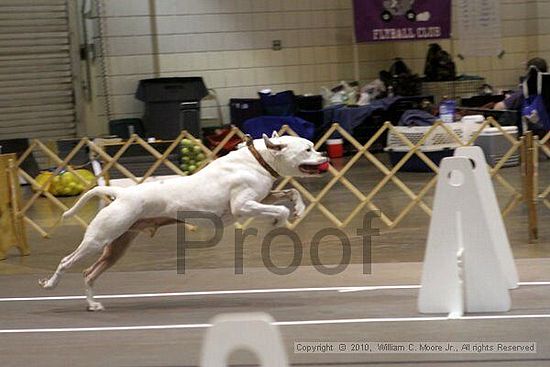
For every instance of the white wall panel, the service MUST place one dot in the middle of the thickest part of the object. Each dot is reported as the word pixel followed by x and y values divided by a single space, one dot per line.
pixel 125 46
pixel 121 8
pixel 228 42
pixel 128 65
pixel 128 26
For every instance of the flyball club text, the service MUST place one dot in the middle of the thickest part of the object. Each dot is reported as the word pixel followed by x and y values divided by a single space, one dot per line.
pixel 405 33
pixel 185 245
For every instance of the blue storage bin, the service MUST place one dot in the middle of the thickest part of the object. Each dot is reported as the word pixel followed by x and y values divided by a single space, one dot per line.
pixel 257 126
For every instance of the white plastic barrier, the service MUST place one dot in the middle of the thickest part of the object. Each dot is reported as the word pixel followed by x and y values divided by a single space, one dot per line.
pixel 496 229
pixel 468 266
pixel 254 332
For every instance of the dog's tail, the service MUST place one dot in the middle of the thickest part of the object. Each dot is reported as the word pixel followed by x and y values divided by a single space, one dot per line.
pixel 98 190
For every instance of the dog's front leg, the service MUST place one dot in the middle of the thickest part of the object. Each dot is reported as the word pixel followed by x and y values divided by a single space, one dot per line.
pixel 290 194
pixel 252 208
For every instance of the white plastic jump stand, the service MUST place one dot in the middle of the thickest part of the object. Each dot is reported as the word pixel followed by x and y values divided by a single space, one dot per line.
pixel 253 332
pixel 496 227
pixel 463 271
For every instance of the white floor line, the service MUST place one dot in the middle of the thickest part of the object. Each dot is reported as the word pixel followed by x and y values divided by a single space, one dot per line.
pixel 533 283
pixel 417 286
pixel 280 323
pixel 204 293
pixel 239 291
pixel 105 328
pixel 409 319
pixel 377 288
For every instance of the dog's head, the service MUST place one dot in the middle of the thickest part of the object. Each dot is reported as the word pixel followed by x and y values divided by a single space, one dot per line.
pixel 294 156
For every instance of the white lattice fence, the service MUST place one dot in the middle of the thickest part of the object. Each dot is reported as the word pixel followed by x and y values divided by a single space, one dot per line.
pixel 365 199
pixel 109 162
pixel 543 187
pixel 390 174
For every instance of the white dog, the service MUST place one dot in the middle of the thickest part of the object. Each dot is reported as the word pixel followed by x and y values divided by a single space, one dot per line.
pixel 231 187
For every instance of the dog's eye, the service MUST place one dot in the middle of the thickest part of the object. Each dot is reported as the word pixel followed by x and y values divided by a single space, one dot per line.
pixel 308 150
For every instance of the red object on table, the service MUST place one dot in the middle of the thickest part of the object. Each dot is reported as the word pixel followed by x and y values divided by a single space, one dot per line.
pixel 335 148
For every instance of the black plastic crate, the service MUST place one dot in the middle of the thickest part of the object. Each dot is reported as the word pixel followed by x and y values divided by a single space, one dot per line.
pixel 171 89
pixel 171 105
pixel 242 109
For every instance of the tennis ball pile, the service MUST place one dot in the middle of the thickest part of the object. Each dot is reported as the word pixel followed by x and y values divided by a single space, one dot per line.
pixel 65 183
pixel 191 157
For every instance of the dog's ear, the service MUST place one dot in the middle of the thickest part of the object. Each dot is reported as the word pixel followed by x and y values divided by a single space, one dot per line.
pixel 274 134
pixel 270 145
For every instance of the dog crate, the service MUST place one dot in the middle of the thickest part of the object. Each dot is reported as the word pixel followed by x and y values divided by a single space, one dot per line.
pixel 415 164
pixel 495 145
pixel 441 144
pixel 455 89
pixel 438 145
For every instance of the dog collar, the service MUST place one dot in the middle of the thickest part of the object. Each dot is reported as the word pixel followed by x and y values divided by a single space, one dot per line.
pixel 259 158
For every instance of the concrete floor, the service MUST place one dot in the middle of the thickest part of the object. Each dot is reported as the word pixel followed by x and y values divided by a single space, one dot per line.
pixel 60 337
pixel 150 267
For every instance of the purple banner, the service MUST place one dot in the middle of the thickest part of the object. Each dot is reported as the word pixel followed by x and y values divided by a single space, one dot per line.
pixel 393 20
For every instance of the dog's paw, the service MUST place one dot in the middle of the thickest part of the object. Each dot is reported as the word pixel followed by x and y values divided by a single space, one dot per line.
pixel 46 283
pixel 299 209
pixel 282 217
pixel 95 306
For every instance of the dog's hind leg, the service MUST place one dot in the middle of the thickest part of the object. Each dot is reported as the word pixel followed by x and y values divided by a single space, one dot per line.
pixel 109 224
pixel 111 254
pixel 114 251
pixel 83 250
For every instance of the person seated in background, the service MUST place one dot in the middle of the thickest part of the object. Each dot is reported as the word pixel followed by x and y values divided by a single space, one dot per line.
pixel 515 100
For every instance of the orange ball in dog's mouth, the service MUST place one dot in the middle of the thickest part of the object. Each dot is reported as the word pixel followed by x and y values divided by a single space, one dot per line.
pixel 323 167
pixel 314 169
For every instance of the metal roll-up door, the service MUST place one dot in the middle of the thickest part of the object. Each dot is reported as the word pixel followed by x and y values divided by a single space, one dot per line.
pixel 36 87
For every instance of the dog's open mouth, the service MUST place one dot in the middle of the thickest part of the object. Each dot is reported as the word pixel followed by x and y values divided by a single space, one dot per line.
pixel 314 169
